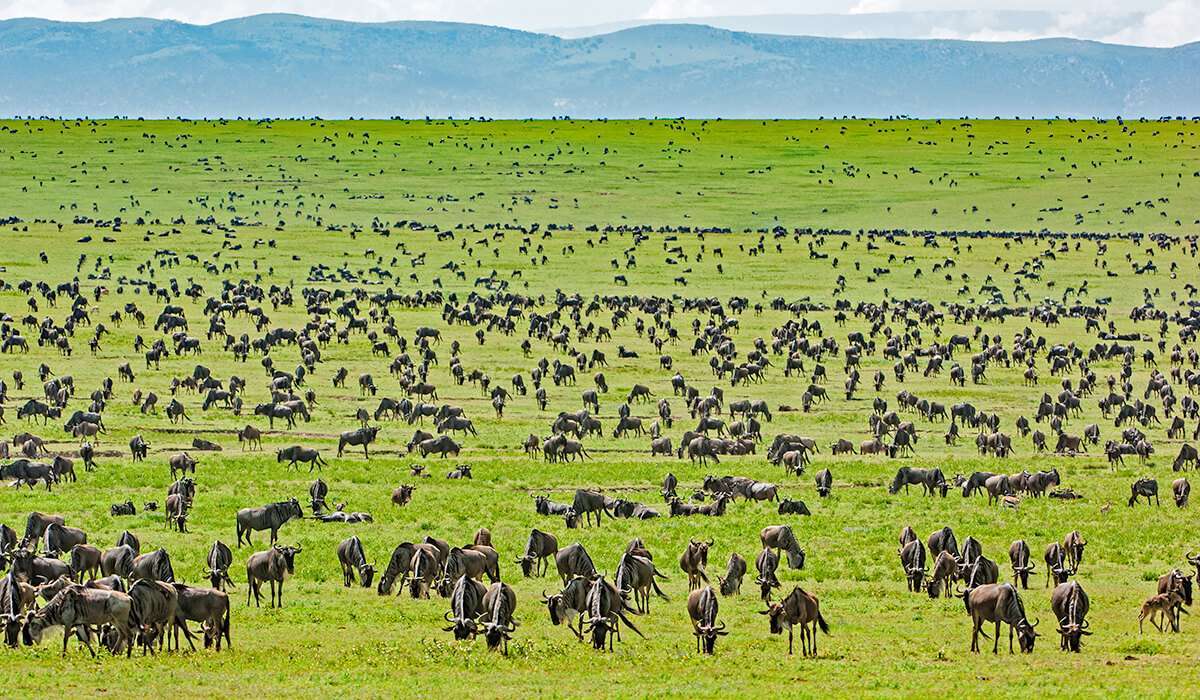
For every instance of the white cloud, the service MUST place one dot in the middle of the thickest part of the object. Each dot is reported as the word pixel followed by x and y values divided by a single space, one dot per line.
pixel 678 9
pixel 1176 23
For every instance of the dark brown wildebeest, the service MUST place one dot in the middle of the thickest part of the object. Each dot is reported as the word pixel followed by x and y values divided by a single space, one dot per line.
pixel 154 566
pixel 606 612
pixel 61 538
pixel 1018 556
pixel 931 480
pixel 1143 488
pixel 569 604
pixel 587 503
pixel 496 616
pixel 573 560
pixel 945 569
pixel 353 559
pixel 782 538
pixel 402 495
pixel 85 561
pixel 274 565
pixel 636 574
pixel 397 569
pixel 152 613
pixel 1181 489
pixel 790 507
pixel 181 464
pixel 767 563
pixel 216 565
pixel 361 436
pixel 693 562
pixel 702 608
pixel 466 602
pixel 1056 564
pixel 78 606
pixel 269 517
pixel 801 609
pixel 735 570
pixel 999 603
pixel 443 445
pixel 538 550
pixel 942 540
pixel 824 481
pixel 1073 544
pixel 1175 581
pixel 207 606
pixel 1187 457
pixel 912 558
pixel 296 454
pixel 250 437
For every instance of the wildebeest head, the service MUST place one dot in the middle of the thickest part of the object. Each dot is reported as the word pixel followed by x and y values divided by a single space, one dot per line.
pixel 1072 633
pixel 1027 635
pixel 289 555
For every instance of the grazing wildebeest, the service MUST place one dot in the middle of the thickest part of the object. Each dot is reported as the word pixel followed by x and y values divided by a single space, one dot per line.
pixel 274 565
pixel 735 571
pixel 1073 544
pixel 361 436
pixel 767 562
pixel 587 503
pixel 1018 556
pixel 942 540
pixel 782 538
pixel 912 558
pixel 85 561
pixel 931 480
pixel 636 575
pixel 1070 606
pixel 945 569
pixel 296 454
pixel 398 568
pixel 207 606
pixel 693 562
pixel 1143 488
pixel 574 560
pixel 78 606
pixel 353 559
pixel 442 444
pixel 702 608
pixel 606 611
pixel 216 565
pixel 999 603
pixel 824 480
pixel 1057 567
pixel 496 615
pixel 1181 489
pixel 152 613
pixel 538 550
pixel 801 609
pixel 269 517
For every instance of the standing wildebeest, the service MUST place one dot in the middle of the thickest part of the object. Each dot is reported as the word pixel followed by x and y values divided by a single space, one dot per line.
pixel 945 569
pixel 274 565
pixel 693 561
pixel 216 565
pixel 352 558
pixel 154 566
pixel 207 606
pixel 361 436
pixel 1181 489
pixel 824 480
pixel 1073 544
pixel 912 558
pixel 735 571
pixel 802 609
pixel 78 606
pixel 1018 556
pixel 931 480
pixel 402 495
pixel 85 560
pixel 250 437
pixel 781 537
pixel 538 550
pixel 496 615
pixel 702 608
pixel 1070 606
pixel 942 540
pixel 999 603
pixel 269 517
pixel 587 503
pixel 636 574
pixel 1162 605
pixel 767 562
pixel 295 454
pixel 1056 564
pixel 606 612
pixel 1175 581
pixel 1143 488
pixel 569 604
pixel 398 567
pixel 152 613
pixel 574 560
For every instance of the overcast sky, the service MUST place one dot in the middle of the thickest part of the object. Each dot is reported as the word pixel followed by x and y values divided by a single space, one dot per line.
pixel 1159 22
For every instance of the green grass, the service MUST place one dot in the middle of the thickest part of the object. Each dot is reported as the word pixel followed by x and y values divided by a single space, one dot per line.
pixel 745 176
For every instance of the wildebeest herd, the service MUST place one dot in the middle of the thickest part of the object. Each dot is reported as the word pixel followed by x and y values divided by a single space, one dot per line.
pixel 443 398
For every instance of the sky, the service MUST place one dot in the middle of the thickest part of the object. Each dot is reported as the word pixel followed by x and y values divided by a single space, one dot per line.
pixel 1150 22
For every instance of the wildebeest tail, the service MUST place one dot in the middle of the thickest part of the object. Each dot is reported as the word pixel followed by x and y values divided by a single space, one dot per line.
pixel 629 624
pixel 824 625
pixel 656 588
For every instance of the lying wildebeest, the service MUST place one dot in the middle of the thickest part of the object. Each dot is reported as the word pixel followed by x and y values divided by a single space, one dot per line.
pixel 274 565
pixel 269 517
pixel 999 603
pixel 788 506
pixel 801 609
pixel 353 559
pixel 702 608
pixel 402 494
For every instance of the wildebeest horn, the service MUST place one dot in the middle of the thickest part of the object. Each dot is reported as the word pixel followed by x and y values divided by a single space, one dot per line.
pixel 711 542
pixel 765 612
pixel 1035 624
pixel 544 596
pixel 447 616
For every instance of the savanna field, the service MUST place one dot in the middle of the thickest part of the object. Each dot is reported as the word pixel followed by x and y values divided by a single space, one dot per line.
pixel 774 213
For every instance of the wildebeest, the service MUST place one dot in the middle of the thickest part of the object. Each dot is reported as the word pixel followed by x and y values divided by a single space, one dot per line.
pixel 574 560
pixel 1073 544
pixel 1143 488
pixel 496 615
pixel 296 454
pixel 274 565
pixel 767 562
pixel 942 540
pixel 801 609
pixel 269 517
pixel 824 480
pixel 782 538
pixel 153 566
pixel 77 606
pixel 1181 489
pixel 790 507
pixel 152 613
pixel 216 565
pixel 1070 606
pixel 735 571
pixel 912 558
pixel 538 550
pixel 605 613
pixel 1176 581
pixel 1057 567
pixel 702 607
pixel 1018 556
pixel 466 602
pixel 361 436
pixel 636 575
pixel 931 480
pixel 587 503
pixel 353 559
pixel 999 603
pixel 693 562
pixel 207 606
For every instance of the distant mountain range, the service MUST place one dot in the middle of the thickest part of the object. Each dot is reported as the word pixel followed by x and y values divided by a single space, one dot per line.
pixel 286 65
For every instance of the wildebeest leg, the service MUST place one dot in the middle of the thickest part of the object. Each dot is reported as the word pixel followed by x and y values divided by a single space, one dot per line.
pixel 789 640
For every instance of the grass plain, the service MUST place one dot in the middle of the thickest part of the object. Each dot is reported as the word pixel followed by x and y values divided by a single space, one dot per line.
pixel 316 187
